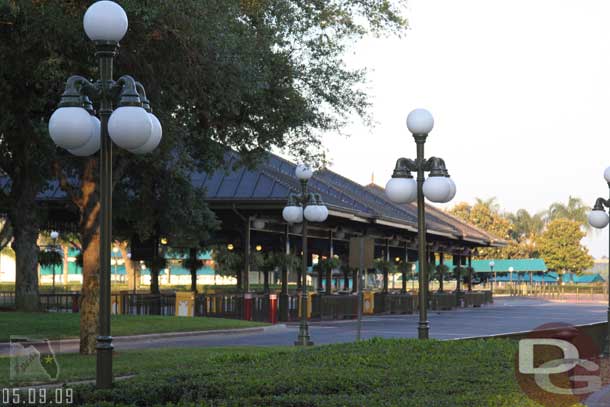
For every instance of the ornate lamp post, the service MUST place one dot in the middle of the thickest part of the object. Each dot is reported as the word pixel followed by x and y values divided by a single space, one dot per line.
pixel 304 207
pixel 598 218
pixel 491 266
pixel 131 126
pixel 438 187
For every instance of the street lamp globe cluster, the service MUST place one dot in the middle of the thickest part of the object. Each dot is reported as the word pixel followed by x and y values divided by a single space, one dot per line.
pixel 438 187
pixel 598 218
pixel 125 119
pixel 132 126
pixel 303 208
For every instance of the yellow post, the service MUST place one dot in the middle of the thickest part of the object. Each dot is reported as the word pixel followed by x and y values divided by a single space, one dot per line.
pixel 185 304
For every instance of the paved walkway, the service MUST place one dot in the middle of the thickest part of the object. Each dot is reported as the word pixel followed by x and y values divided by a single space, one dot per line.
pixel 508 314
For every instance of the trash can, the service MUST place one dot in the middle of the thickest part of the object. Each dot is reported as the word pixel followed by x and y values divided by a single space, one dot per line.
pixel 368 302
pixel 273 308
pixel 185 304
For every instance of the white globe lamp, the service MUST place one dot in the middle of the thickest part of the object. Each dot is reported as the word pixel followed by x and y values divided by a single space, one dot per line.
pixel 437 189
pixel 153 140
pixel 93 144
pixel 598 219
pixel 70 127
pixel 303 172
pixel 130 127
pixel 420 121
pixel 401 190
pixel 293 214
pixel 105 21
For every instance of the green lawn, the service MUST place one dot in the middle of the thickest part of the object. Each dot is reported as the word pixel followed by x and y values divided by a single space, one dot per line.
pixel 371 373
pixel 66 325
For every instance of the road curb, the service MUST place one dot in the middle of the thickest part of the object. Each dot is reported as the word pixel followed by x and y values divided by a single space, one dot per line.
pixel 164 335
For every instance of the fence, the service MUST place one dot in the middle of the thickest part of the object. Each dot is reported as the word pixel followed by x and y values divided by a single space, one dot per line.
pixel 257 307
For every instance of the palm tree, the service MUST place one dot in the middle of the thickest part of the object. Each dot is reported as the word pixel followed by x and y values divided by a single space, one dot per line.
pixel 575 210
pixel 526 225
pixel 489 203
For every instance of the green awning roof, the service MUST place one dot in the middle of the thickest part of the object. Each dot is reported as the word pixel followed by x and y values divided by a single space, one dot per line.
pixel 501 265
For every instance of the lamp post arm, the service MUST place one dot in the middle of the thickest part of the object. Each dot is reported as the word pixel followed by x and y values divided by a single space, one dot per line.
pixel 127 87
pixel 142 93
pixel 403 168
pixel 76 88
pixel 436 166
pixel 601 204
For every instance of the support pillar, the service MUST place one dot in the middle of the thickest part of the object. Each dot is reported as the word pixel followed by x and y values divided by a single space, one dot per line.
pixel 284 302
pixel 470 272
pixel 442 272
pixel 329 281
pixel 245 280
pixel 385 272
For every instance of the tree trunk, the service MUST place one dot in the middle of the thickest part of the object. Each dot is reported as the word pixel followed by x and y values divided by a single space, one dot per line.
pixel 266 282
pixel 65 250
pixel 193 256
pixel 90 207
pixel 346 281
pixel 23 217
pixel 154 278
pixel 385 281
pixel 238 278
pixel 90 294
pixel 320 278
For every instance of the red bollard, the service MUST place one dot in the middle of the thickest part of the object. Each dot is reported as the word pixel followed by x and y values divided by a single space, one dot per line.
pixel 273 308
pixel 248 307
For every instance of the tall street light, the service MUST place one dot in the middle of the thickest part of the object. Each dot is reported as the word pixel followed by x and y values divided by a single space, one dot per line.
pixel 438 187
pixel 304 207
pixel 598 218
pixel 491 266
pixel 54 237
pixel 131 126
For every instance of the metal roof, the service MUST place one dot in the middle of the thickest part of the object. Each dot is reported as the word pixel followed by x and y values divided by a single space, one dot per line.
pixel 272 181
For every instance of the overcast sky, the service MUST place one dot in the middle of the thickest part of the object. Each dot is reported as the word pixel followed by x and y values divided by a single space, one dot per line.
pixel 520 92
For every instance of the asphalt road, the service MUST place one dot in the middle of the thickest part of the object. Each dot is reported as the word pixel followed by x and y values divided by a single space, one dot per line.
pixel 506 315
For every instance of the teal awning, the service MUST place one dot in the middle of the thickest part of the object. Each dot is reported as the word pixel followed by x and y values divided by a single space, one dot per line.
pixel 501 266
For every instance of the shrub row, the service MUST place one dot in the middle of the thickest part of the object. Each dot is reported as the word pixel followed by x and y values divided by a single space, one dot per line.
pixel 370 373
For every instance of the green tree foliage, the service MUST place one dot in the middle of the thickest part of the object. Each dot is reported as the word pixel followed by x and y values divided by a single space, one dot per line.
pixel 574 210
pixel 49 258
pixel 227 263
pixel 485 215
pixel 249 75
pixel 561 249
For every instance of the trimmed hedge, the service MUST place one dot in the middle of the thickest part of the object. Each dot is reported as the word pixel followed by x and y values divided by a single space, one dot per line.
pixel 370 373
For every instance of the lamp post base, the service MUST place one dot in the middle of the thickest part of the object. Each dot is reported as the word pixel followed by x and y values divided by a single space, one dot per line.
pixel 104 349
pixel 423 330
pixel 303 339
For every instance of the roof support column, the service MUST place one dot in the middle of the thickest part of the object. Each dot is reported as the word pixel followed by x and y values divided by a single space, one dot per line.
pixel 284 300
pixel 329 272
pixel 404 270
pixel 385 271
pixel 245 282
pixel 441 271
pixel 458 264
pixel 469 272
